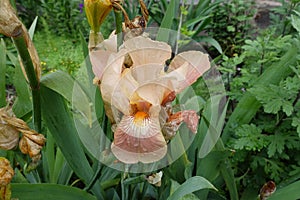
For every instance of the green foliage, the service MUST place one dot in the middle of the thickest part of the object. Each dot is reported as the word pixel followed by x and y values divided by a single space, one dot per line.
pixel 189 18
pixel 58 53
pixel 264 140
pixel 231 24
pixel 192 184
pixel 249 137
pixel 48 191
pixel 275 98
pixel 284 18
pixel 64 17
pixel 261 137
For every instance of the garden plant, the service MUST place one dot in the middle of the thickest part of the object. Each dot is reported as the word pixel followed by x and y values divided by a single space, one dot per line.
pixel 133 99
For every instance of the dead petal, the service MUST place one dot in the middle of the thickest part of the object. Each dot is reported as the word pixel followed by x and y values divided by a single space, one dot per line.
pixel 6 172
pixel 30 147
pixel 10 25
pixel 135 143
pixel 187 67
pixel 145 51
pixel 9 137
pixel 191 119
pixel 173 123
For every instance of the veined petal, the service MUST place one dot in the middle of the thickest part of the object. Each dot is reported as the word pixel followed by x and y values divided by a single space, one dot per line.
pixel 99 60
pixel 110 44
pixel 148 72
pixel 123 91
pixel 187 67
pixel 145 51
pixel 111 76
pixel 139 139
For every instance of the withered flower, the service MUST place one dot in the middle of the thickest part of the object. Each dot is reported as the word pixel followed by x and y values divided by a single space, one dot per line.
pixel 6 172
pixel 267 190
pixel 142 92
pixel 10 25
pixel 155 179
pixel 31 142
pixel 9 136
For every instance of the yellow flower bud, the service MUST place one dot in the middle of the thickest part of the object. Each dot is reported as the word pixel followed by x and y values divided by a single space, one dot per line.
pixel 96 11
pixel 6 172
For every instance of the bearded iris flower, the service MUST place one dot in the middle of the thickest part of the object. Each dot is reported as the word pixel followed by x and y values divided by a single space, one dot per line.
pixel 139 90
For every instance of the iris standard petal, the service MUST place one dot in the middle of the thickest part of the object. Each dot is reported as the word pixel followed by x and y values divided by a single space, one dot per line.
pixel 145 51
pixel 187 67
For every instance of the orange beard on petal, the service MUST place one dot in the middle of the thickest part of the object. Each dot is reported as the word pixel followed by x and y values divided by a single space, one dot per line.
pixel 140 117
pixel 138 138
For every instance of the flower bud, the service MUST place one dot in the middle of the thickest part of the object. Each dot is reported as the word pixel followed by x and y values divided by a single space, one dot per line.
pixel 6 172
pixel 96 11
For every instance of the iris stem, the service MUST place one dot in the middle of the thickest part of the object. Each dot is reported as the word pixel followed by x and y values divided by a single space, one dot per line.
pixel 119 21
pixel 20 43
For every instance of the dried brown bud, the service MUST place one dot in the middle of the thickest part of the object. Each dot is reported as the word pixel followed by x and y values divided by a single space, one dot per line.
pixel 6 172
pixel 10 25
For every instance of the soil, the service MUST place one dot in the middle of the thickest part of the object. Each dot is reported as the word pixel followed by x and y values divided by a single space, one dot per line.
pixel 264 7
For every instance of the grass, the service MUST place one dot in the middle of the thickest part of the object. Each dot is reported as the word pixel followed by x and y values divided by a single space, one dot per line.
pixel 58 52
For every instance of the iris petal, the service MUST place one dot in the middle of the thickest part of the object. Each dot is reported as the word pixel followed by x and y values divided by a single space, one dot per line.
pixel 139 141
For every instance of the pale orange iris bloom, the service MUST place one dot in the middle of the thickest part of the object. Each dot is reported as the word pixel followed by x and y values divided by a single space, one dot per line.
pixel 136 82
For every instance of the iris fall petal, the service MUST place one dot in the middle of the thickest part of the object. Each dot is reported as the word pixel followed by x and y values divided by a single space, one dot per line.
pixel 140 141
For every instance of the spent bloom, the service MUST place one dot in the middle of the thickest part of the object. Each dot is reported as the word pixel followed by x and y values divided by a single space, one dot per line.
pixel 155 179
pixel 138 88
pixel 6 172
pixel 267 190
pixel 30 143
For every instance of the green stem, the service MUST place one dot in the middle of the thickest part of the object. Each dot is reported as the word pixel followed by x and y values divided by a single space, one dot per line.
pixel 2 73
pixel 119 21
pixel 94 178
pixel 21 46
